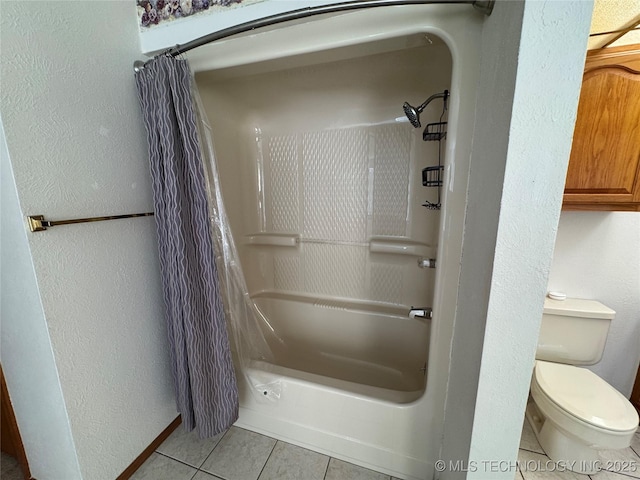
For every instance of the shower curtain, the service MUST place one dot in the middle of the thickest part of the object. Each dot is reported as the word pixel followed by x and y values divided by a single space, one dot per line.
pixel 204 378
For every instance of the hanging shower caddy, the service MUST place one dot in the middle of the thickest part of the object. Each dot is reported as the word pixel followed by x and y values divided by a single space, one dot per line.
pixel 432 176
pixel 434 132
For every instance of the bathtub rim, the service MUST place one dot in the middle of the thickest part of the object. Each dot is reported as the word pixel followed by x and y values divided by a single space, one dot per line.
pixel 348 29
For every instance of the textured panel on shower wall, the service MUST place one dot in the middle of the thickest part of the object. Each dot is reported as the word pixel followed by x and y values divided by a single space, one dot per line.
pixel 386 283
pixel 335 173
pixel 337 188
pixel 286 273
pixel 391 179
pixel 337 270
pixel 283 184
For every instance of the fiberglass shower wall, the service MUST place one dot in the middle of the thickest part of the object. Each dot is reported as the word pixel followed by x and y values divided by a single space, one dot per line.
pixel 320 170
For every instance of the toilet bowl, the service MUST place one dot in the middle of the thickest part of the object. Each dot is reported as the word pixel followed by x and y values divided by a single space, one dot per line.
pixel 573 412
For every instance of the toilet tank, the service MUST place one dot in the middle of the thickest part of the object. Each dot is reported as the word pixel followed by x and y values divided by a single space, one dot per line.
pixel 573 331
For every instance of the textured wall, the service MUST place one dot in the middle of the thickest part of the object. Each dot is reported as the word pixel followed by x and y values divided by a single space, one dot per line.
pixel 77 149
pixel 514 196
pixel 529 212
pixel 49 444
pixel 613 15
pixel 598 256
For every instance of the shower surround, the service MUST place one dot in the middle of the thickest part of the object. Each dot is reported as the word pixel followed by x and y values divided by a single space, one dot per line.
pixel 321 177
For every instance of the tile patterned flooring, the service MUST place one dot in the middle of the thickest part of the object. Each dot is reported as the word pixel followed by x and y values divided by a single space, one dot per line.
pixel 621 464
pixel 240 454
pixel 243 455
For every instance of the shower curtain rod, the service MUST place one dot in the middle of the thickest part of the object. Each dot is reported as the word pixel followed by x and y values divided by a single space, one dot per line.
pixel 37 223
pixel 484 6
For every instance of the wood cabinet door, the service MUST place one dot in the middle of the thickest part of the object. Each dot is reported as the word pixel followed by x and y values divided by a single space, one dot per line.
pixel 604 168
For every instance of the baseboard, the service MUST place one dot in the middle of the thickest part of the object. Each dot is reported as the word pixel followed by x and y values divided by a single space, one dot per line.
pixel 137 463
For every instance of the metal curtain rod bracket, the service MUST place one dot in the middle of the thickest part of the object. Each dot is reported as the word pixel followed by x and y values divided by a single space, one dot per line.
pixel 483 6
pixel 37 223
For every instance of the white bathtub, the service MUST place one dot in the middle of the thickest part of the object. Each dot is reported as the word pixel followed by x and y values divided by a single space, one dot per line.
pixel 374 350
pixel 352 377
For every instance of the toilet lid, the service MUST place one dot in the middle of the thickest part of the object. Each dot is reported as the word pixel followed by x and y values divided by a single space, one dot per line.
pixel 586 396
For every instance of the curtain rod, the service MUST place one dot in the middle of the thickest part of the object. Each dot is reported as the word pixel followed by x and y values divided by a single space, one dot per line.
pixel 483 6
pixel 37 223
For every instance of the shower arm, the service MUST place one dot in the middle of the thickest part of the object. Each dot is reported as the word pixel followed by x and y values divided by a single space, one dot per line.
pixel 483 6
pixel 444 95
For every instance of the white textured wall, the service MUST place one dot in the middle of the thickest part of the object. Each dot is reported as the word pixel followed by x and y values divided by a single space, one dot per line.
pixel 26 347
pixel 530 207
pixel 77 148
pixel 514 197
pixel 597 256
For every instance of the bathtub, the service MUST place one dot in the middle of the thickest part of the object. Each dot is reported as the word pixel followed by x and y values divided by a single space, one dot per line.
pixel 321 177
pixel 373 350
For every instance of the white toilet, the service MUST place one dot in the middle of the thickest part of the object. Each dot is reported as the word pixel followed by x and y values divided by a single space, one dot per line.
pixel 573 412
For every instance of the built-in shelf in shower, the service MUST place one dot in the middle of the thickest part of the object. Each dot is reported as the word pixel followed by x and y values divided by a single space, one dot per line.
pixel 273 239
pixel 399 247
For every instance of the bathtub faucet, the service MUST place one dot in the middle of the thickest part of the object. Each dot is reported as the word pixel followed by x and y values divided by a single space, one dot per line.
pixel 427 263
pixel 423 312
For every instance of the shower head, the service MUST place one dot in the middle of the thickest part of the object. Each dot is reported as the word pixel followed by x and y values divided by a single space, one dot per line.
pixel 413 113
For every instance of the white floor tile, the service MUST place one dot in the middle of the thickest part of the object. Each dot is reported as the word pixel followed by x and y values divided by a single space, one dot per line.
pixel 635 444
pixel 528 440
pixel 205 476
pixel 604 475
pixel 621 461
pixel 187 447
pixel 535 466
pixel 240 455
pixel 339 470
pixel 159 467
pixel 290 462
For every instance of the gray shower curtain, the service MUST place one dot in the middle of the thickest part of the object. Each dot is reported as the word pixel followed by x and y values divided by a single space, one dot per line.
pixel 205 382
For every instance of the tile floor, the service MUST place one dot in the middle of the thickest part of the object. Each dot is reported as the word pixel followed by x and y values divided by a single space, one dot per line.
pixel 623 464
pixel 243 455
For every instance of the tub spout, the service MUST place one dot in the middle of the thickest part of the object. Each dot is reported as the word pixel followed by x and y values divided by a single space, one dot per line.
pixel 427 263
pixel 423 312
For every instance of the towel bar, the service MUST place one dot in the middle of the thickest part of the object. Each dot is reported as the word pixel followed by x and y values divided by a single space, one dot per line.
pixel 37 223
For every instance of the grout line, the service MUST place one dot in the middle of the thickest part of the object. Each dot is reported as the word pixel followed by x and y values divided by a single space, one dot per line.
pixel 270 453
pixel 533 451
pixel 327 469
pixel 176 459
pixel 213 449
pixel 622 474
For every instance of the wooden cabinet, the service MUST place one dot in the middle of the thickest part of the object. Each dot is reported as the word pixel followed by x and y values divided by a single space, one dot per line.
pixel 604 168
pixel 635 394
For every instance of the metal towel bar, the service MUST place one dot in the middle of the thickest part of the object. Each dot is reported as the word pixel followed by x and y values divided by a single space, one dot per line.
pixel 37 223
